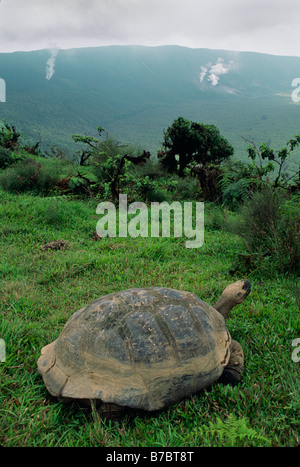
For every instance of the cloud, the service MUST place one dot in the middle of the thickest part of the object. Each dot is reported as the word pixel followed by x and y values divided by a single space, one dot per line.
pixel 256 25
pixel 213 72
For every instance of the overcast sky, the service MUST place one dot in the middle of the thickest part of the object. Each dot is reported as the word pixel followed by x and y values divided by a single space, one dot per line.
pixel 269 26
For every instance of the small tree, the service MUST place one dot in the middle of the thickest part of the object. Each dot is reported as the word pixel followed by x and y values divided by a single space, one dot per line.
pixel 13 147
pixel 91 142
pixel 111 164
pixel 267 168
pixel 109 161
pixel 9 136
pixel 187 142
pixel 265 160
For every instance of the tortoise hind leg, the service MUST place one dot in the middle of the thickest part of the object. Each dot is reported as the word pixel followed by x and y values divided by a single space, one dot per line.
pixel 232 373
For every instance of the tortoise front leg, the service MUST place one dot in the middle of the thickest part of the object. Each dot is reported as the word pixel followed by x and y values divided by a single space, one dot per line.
pixel 232 373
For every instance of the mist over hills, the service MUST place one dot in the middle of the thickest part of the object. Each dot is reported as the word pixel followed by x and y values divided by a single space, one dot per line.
pixel 135 92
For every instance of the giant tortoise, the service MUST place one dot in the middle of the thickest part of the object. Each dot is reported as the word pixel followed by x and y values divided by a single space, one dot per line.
pixel 144 348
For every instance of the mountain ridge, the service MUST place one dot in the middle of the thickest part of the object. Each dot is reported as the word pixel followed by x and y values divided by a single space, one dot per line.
pixel 135 92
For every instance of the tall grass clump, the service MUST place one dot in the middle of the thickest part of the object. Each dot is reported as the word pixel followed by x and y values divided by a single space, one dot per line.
pixel 29 175
pixel 269 224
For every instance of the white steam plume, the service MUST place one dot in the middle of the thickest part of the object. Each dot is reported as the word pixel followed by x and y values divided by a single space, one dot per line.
pixel 50 65
pixel 215 71
pixel 204 70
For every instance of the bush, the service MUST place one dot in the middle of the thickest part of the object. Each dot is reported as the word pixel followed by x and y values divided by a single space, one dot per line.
pixel 187 189
pixel 151 169
pixel 157 195
pixel 9 157
pixel 237 183
pixel 214 217
pixel 5 157
pixel 269 223
pixel 20 178
pixel 47 179
pixel 235 193
pixel 28 175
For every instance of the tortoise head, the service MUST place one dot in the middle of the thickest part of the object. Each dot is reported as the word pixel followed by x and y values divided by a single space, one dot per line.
pixel 232 296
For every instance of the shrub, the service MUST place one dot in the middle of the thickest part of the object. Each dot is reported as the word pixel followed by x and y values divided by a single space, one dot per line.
pixel 269 223
pixel 235 193
pixel 209 180
pixel 157 195
pixel 28 175
pixel 151 169
pixel 5 157
pixel 20 178
pixel 9 157
pixel 187 189
pixel 214 217
pixel 47 179
pixel 9 136
pixel 237 183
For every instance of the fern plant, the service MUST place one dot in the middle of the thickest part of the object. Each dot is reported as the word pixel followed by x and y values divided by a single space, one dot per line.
pixel 236 183
pixel 232 432
pixel 236 192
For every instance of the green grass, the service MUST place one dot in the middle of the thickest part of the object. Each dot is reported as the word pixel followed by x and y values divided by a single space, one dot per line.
pixel 41 289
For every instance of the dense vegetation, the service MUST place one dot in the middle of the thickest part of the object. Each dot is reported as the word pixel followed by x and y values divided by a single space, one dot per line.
pixel 54 263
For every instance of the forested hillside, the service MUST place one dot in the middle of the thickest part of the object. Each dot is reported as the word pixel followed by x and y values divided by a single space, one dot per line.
pixel 135 92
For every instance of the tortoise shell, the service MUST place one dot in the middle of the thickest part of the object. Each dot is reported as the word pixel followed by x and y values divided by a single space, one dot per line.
pixel 139 348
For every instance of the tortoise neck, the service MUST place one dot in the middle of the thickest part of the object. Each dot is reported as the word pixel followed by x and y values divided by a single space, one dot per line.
pixel 224 306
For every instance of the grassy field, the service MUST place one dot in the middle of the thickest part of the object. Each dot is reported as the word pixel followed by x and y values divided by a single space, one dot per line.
pixel 40 289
